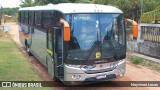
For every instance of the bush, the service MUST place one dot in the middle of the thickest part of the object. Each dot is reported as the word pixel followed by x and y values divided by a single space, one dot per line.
pixel 136 60
pixel 144 62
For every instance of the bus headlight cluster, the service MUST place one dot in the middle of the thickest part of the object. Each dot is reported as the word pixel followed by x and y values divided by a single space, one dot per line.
pixel 76 77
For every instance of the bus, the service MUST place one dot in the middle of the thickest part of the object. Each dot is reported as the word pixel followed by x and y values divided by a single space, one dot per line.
pixel 77 43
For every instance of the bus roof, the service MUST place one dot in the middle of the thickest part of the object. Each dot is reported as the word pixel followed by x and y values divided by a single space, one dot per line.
pixel 75 8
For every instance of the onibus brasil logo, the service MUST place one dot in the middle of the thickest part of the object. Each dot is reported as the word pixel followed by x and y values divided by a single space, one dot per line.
pixel 21 84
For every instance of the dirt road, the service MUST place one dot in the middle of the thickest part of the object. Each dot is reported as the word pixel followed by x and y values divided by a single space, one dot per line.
pixel 133 72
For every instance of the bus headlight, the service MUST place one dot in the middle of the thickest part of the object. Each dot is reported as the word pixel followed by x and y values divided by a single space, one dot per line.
pixel 76 77
pixel 73 76
pixel 79 77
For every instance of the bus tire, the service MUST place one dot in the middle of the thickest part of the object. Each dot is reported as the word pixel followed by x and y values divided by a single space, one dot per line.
pixel 28 50
pixel 56 79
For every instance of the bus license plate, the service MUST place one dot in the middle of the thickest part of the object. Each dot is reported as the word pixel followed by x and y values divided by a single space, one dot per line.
pixel 101 76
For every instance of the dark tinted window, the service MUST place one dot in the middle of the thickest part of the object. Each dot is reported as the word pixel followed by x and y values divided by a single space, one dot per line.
pixel 57 16
pixel 26 18
pixel 31 18
pixel 19 16
pixel 22 17
pixel 38 19
pixel 46 19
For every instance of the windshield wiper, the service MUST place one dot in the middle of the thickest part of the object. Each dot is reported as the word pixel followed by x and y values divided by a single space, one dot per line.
pixel 114 50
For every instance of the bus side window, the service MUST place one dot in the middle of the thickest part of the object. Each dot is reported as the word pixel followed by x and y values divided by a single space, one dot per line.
pixel 46 19
pixel 26 18
pixel 57 16
pixel 22 17
pixel 19 17
pixel 30 18
pixel 38 19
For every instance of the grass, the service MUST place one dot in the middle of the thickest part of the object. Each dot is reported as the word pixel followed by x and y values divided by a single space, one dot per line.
pixel 143 62
pixel 151 65
pixel 13 64
pixel 136 60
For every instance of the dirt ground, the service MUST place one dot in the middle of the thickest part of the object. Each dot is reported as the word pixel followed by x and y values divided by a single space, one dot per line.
pixel 133 72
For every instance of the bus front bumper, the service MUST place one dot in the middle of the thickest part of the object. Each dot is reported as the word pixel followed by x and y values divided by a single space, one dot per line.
pixel 75 75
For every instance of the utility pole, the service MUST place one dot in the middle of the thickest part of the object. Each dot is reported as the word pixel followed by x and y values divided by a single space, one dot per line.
pixel 0 13
pixel 141 7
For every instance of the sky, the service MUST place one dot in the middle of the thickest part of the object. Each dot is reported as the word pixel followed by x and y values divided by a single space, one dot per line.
pixel 9 3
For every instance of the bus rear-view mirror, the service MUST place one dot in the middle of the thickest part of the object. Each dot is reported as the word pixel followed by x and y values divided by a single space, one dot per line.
pixel 134 28
pixel 66 33
pixel 66 29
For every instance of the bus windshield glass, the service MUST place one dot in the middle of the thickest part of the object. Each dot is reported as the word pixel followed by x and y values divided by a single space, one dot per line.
pixel 96 33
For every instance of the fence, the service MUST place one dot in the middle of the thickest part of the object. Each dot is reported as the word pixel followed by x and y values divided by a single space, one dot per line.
pixel 148 41
pixel 150 33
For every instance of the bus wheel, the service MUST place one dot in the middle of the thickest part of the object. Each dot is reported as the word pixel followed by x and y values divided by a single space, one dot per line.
pixel 28 50
pixel 56 79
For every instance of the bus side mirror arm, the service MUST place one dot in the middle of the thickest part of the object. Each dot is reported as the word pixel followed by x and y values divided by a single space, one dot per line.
pixel 66 29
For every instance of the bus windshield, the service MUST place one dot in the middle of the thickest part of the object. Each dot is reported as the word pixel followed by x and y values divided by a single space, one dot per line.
pixel 92 33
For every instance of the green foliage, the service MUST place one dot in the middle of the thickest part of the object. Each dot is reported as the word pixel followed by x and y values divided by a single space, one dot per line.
pixel 136 60
pixel 28 3
pixel 153 12
pixel 151 16
pixel 147 63
pixel 150 5
pixel 13 64
pixel 158 7
pixel 10 11
pixel 83 1
pixel 132 8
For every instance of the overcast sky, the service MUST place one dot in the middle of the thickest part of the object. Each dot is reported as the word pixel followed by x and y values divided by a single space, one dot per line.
pixel 9 3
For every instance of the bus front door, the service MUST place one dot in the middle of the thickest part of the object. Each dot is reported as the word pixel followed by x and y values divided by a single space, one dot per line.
pixel 55 50
pixel 50 61
pixel 59 69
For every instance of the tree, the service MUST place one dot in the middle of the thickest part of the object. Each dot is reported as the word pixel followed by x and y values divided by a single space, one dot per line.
pixel 151 15
pixel 131 8
pixel 27 3
pixel 83 1
pixel 124 5
pixel 150 5
pixel 10 11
